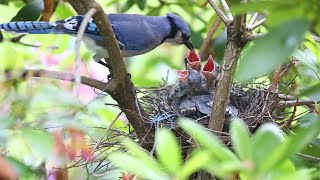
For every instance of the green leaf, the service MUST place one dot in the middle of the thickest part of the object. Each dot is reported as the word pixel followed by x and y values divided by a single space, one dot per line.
pixel 225 169
pixel 22 169
pixel 141 4
pixel 168 150
pixel 312 91
pixel 265 141
pixel 30 12
pixel 308 120
pixel 311 44
pixel 1 36
pixel 293 144
pixel 127 5
pixel 136 166
pixel 39 142
pixel 240 139
pixel 304 174
pixel 141 154
pixel 307 61
pixel 272 50
pixel 208 140
pixel 196 161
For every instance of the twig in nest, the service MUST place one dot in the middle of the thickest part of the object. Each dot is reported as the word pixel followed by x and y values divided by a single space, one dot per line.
pixel 283 104
pixel 289 121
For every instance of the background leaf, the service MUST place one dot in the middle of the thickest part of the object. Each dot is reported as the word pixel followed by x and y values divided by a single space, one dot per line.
pixel 30 12
pixel 272 50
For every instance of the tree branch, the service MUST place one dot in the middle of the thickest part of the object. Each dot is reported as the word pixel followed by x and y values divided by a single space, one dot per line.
pixel 120 87
pixel 235 43
pixel 65 77
pixel 253 19
pixel 257 24
pixel 226 9
pixel 222 16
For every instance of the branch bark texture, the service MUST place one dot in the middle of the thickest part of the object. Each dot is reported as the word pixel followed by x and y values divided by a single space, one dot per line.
pixel 235 43
pixel 120 87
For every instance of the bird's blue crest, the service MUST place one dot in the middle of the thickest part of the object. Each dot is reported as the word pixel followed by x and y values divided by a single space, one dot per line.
pixel 180 23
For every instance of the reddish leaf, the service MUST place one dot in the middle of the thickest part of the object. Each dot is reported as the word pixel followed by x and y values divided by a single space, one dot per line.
pixel 7 172
pixel 127 176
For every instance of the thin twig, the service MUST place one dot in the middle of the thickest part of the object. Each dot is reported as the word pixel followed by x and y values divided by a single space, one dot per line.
pixel 291 118
pixel 206 44
pixel 227 9
pixel 310 158
pixel 64 76
pixel 77 60
pixel 105 134
pixel 254 36
pixel 257 24
pixel 222 16
pixel 308 103
pixel 316 38
pixel 253 19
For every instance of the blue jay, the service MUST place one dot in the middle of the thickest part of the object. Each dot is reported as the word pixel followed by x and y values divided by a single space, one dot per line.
pixel 136 34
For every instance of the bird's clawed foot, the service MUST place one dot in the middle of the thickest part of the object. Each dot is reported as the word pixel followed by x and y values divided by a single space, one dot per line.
pixel 105 62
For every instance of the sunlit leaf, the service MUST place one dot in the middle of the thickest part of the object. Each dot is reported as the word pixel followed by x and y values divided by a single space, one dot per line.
pixel 208 140
pixel 136 166
pixel 240 139
pixel 264 142
pixel 272 50
pixel 313 47
pixel 141 154
pixel 304 174
pixel 168 150
pixel 307 61
pixel 225 169
pixel 33 139
pixel 196 161
pixel 293 144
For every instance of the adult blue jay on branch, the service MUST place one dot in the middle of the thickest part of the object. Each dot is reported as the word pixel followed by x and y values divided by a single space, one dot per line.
pixel 136 34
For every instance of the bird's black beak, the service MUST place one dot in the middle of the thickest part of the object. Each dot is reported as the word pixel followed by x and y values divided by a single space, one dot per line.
pixel 188 43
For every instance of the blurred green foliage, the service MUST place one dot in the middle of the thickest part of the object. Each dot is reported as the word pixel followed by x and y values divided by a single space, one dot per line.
pixel 32 109
pixel 263 156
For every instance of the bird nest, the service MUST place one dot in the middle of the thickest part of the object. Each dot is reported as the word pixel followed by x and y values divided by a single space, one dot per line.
pixel 193 95
pixel 251 102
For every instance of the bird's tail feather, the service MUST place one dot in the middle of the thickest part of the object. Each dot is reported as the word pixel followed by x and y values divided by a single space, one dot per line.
pixel 31 27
